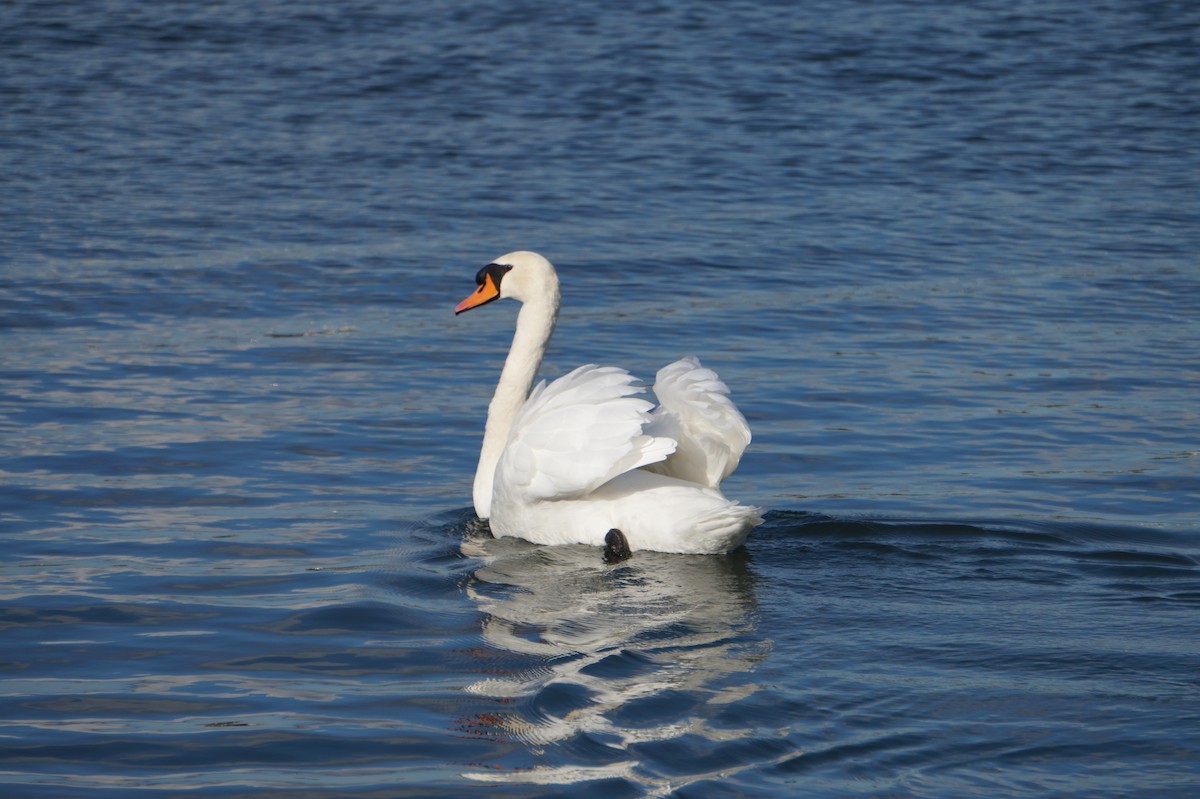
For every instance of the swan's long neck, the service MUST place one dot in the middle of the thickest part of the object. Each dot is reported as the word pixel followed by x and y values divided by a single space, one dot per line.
pixel 535 324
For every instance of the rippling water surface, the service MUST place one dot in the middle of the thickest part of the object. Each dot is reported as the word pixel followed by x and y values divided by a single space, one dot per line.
pixel 943 253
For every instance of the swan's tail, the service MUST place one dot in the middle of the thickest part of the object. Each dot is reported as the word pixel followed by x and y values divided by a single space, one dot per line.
pixel 724 528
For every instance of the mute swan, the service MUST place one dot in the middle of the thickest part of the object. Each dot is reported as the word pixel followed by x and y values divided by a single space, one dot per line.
pixel 584 461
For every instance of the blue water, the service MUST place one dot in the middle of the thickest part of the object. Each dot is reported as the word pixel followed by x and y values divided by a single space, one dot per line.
pixel 945 255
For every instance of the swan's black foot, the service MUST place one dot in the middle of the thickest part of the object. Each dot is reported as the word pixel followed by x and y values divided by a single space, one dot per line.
pixel 616 548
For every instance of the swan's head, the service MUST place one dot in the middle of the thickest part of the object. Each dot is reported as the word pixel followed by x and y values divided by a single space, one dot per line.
pixel 523 276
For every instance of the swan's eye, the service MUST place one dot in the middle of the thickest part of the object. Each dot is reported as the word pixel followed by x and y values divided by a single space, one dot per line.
pixel 497 271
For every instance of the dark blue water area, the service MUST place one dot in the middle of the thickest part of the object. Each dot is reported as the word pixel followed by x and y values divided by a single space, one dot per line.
pixel 944 255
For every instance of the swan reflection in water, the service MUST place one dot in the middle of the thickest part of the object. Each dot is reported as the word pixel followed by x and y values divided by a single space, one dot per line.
pixel 650 650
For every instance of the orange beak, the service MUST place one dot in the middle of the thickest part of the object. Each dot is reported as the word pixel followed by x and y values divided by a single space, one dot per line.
pixel 486 292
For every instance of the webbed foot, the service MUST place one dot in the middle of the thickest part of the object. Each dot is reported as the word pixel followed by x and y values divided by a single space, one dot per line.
pixel 616 547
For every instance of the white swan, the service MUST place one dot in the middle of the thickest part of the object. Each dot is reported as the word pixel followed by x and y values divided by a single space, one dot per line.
pixel 584 461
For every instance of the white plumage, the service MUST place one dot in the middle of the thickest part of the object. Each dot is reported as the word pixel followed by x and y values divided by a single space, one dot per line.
pixel 576 434
pixel 572 459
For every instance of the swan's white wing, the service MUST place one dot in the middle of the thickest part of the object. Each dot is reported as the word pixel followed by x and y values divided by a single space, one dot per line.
pixel 576 434
pixel 695 409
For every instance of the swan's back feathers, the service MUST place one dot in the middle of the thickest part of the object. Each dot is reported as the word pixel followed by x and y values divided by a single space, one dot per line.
pixel 695 410
pixel 577 433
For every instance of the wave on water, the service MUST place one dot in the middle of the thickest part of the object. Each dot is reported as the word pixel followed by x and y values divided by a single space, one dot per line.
pixel 825 650
pixel 844 656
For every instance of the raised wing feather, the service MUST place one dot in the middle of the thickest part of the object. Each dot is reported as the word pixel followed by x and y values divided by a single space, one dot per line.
pixel 576 434
pixel 695 409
